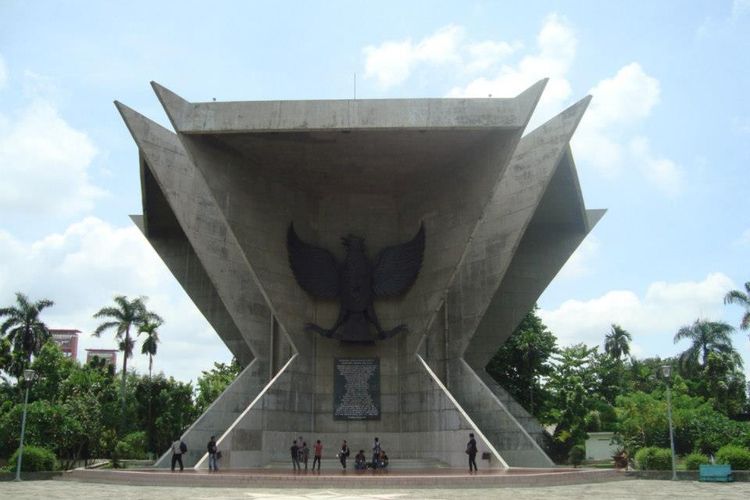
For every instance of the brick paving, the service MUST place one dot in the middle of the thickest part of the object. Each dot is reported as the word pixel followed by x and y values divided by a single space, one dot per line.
pixel 627 489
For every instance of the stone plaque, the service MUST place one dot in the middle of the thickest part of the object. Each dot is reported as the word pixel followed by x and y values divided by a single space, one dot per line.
pixel 356 389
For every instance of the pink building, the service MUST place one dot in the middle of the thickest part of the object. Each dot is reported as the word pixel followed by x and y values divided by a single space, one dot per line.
pixel 67 339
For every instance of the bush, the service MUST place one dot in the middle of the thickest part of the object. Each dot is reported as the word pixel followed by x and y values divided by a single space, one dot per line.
pixel 35 459
pixel 653 458
pixel 736 456
pixel 576 455
pixel 694 460
pixel 133 445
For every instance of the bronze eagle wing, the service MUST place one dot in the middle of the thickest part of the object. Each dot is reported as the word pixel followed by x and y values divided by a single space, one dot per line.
pixel 396 267
pixel 314 268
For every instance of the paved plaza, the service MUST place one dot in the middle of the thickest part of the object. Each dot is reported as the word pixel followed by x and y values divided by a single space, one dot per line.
pixel 636 489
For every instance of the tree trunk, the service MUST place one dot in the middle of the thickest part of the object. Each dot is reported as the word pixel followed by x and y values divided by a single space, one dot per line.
pixel 124 375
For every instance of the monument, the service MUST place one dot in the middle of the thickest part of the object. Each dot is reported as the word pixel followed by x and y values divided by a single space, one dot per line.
pixel 452 220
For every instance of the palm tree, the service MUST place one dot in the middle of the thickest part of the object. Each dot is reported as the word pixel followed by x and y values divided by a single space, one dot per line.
pixel 617 342
pixel 706 337
pixel 743 299
pixel 23 328
pixel 152 339
pixel 126 314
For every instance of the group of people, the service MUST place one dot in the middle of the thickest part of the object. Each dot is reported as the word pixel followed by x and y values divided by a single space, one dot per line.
pixel 300 454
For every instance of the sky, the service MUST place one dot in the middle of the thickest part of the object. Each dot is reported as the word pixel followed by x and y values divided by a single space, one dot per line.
pixel 663 146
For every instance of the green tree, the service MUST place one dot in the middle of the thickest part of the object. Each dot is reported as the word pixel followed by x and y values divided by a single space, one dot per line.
pixel 743 299
pixel 617 342
pixel 213 382
pixel 705 337
pixel 126 314
pixel 23 327
pixel 149 345
pixel 523 361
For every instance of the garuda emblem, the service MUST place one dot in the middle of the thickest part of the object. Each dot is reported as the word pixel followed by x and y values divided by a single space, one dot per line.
pixel 356 282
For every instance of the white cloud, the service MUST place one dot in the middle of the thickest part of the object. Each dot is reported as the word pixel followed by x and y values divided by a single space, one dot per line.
pixel 44 163
pixel 83 267
pixel 556 49
pixel 627 97
pixel 620 103
pixel 663 309
pixel 580 263
pixel 662 173
pixel 392 62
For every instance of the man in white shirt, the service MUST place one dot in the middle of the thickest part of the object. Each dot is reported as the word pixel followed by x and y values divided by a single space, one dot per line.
pixel 177 454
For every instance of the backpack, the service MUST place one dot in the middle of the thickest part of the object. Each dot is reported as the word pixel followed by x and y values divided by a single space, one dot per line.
pixel 183 447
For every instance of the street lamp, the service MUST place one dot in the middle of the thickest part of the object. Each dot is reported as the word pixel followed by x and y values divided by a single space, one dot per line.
pixel 666 370
pixel 28 377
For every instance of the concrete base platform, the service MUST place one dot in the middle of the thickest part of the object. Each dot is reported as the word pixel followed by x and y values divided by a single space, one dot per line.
pixel 413 478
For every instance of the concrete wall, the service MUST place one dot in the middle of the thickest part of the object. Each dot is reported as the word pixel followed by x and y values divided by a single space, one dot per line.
pixel 220 194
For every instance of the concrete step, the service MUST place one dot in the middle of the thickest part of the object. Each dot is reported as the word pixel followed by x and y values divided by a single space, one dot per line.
pixel 393 463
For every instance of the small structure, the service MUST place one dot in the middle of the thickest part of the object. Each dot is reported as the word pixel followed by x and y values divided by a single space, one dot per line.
pixel 108 355
pixel 599 446
pixel 67 339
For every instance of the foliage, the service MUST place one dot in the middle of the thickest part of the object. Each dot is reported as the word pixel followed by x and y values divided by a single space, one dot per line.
pixel 617 342
pixel 213 382
pixel 706 337
pixel 522 363
pixel 693 461
pixel 132 446
pixel 35 459
pixel 24 330
pixel 653 458
pixel 741 298
pixel 576 455
pixel 126 314
pixel 149 346
pixel 736 456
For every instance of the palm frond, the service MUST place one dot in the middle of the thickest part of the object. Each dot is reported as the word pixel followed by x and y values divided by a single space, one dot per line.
pixel 105 326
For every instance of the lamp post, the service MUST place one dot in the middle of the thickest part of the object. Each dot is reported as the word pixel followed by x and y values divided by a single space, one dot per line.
pixel 28 377
pixel 666 370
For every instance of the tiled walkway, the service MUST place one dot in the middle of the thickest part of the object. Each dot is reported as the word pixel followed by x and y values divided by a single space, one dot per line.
pixel 630 489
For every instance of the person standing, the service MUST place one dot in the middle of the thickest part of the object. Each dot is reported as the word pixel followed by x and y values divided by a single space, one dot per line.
pixel 471 450
pixel 178 448
pixel 295 456
pixel 375 453
pixel 343 453
pixel 305 454
pixel 212 450
pixel 318 451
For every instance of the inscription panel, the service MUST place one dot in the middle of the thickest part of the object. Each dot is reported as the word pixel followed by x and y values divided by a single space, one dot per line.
pixel 356 389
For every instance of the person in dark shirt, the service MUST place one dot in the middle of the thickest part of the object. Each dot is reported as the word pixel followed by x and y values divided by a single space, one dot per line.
pixel 295 455
pixel 318 451
pixel 360 461
pixel 471 450
pixel 212 458
pixel 343 454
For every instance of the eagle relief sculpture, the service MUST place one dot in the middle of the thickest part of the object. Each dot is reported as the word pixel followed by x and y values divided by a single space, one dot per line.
pixel 355 282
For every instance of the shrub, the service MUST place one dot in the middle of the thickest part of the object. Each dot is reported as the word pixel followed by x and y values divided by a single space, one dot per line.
pixel 736 456
pixel 34 459
pixel 694 460
pixel 653 458
pixel 133 445
pixel 576 455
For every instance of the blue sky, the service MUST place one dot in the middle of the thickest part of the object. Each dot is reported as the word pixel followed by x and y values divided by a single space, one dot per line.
pixel 664 145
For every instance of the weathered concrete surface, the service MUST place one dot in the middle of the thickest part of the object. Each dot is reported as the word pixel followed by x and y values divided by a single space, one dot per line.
pixel 502 214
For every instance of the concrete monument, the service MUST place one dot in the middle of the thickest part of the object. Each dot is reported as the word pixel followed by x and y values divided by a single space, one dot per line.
pixel 500 214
